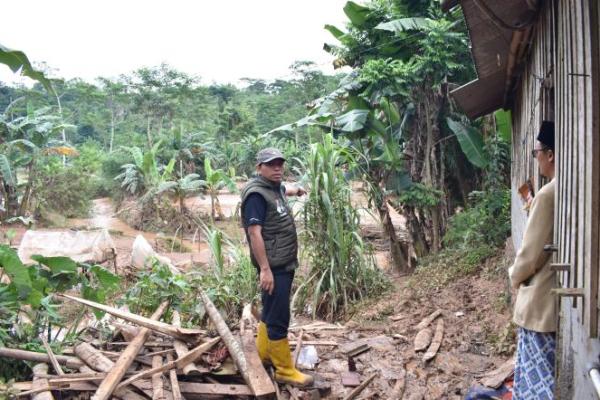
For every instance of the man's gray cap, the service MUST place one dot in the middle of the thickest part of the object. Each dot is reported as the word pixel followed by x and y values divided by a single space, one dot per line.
pixel 268 154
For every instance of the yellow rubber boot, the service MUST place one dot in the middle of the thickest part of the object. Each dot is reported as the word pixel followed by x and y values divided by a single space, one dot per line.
pixel 285 371
pixel 262 343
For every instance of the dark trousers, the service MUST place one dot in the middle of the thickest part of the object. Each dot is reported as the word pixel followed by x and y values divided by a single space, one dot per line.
pixel 276 306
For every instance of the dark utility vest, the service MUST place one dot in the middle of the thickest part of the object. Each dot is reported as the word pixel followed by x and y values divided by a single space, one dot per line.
pixel 279 230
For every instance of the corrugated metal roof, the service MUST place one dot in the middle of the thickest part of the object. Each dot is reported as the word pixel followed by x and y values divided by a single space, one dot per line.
pixel 481 96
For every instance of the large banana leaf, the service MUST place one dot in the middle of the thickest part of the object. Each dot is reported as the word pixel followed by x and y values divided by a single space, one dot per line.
pixel 356 13
pixel 405 24
pixel 352 121
pixel 504 125
pixel 337 33
pixel 470 142
pixel 17 60
pixel 6 171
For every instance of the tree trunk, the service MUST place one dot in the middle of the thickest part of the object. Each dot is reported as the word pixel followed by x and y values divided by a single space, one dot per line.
pixel 112 130
pixel 28 188
pixel 148 132
pixel 398 249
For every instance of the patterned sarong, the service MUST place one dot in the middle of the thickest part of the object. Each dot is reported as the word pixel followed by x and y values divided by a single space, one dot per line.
pixel 534 368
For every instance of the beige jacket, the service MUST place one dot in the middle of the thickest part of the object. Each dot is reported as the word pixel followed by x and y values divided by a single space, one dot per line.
pixel 535 307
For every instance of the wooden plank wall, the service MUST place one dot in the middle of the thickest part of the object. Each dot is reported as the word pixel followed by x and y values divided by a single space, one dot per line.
pixel 578 182
pixel 560 81
pixel 533 103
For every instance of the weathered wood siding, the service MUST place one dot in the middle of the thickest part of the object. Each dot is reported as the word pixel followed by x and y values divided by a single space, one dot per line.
pixel 534 102
pixel 560 82
pixel 578 182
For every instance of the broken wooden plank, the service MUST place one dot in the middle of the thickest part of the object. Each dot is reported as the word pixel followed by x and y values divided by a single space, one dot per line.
pixel 181 362
pixel 158 390
pixel 127 331
pixel 495 378
pixel 53 359
pixel 423 339
pixel 360 388
pixel 41 384
pixel 355 348
pixel 162 327
pixel 126 358
pixel 263 387
pixel 188 389
pixel 181 348
pixel 174 381
pixel 436 342
pixel 70 362
pixel 428 320
pixel 317 343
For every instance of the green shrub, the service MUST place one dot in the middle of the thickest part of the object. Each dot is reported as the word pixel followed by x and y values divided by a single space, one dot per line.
pixel 67 190
pixel 342 268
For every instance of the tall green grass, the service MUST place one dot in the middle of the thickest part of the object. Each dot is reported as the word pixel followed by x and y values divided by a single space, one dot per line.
pixel 342 269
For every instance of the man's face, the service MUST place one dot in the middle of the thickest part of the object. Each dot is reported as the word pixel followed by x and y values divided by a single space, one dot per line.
pixel 545 159
pixel 272 170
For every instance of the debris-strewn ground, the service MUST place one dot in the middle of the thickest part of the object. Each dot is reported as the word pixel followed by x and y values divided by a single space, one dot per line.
pixel 477 338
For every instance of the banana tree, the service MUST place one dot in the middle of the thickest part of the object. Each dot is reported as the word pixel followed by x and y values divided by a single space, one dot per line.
pixel 215 180
pixel 27 139
pixel 181 188
pixel 144 174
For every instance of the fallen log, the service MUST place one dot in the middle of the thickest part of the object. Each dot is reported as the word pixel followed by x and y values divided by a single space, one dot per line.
pixel 126 358
pixel 162 327
pixel 41 384
pixel 70 362
pixel 181 348
pixel 263 385
pixel 235 348
pixel 436 342
pixel 179 363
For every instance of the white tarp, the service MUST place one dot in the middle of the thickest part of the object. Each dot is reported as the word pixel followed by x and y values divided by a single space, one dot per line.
pixel 140 252
pixel 81 246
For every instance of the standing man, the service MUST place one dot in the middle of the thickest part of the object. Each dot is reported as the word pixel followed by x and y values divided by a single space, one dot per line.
pixel 271 234
pixel 535 308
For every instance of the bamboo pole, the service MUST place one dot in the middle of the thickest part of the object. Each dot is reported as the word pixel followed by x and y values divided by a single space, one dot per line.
pixel 53 359
pixel 233 345
pixel 70 362
pixel 181 348
pixel 167 329
pixel 124 393
pixel 98 361
pixel 126 358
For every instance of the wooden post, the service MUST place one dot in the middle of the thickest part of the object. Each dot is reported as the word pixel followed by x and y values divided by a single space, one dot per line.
pixel 360 388
pixel 117 372
pixel 174 382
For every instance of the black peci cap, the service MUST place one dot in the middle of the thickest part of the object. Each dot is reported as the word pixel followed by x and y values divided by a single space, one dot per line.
pixel 546 134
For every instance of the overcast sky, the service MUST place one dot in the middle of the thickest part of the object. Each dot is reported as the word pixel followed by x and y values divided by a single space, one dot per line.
pixel 218 40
